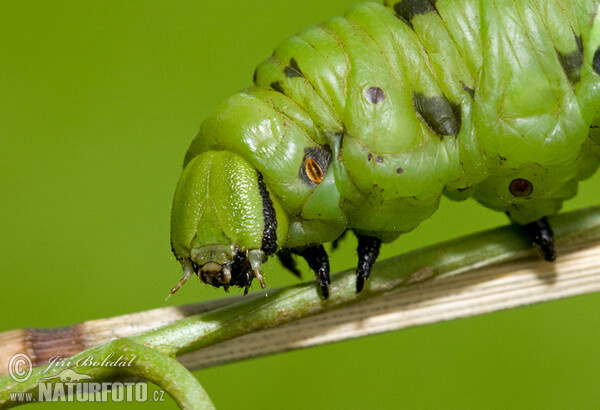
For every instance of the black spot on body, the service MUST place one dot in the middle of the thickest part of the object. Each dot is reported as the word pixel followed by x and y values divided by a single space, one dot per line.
pixel 369 157
pixel 255 76
pixel 379 160
pixel 269 240
pixel 468 89
pixel 375 95
pixel 579 42
pixel 339 139
pixel 321 155
pixel 520 187
pixel 441 116
pixel 408 9
pixel 596 61
pixel 292 70
pixel 572 62
pixel 276 85
pixel 399 170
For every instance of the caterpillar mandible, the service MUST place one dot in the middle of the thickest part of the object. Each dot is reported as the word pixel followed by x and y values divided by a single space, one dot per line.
pixel 362 122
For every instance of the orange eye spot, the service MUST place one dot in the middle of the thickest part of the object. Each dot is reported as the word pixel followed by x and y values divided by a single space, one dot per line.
pixel 313 170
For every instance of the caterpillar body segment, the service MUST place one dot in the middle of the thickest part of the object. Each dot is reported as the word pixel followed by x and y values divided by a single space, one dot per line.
pixel 362 122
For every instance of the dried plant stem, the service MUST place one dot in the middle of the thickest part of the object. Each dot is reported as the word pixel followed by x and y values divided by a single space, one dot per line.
pixel 458 278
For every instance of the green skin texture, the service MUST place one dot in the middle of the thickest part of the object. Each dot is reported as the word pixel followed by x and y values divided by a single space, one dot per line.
pixel 520 117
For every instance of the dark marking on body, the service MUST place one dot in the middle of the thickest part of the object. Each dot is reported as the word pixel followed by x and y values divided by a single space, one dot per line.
pixel 406 10
pixel 320 155
pixel 276 85
pixel 369 157
pixel 572 62
pixel 292 70
pixel 241 272
pixel 440 115
pixel 520 187
pixel 379 160
pixel 596 61
pixel 269 240
pixel 339 140
pixel 399 170
pixel 375 95
pixel 468 89
pixel 255 75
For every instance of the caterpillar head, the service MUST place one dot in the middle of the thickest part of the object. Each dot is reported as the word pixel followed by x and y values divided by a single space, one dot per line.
pixel 224 222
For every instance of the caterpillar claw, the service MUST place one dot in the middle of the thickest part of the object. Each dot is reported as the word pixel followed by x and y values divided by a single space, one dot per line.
pixel 256 257
pixel 325 289
pixel 368 251
pixel 318 260
pixel 258 275
pixel 360 282
pixel 188 270
pixel 542 237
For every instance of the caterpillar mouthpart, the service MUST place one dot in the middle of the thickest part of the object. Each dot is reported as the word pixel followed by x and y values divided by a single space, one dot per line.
pixel 224 266
pixel 215 274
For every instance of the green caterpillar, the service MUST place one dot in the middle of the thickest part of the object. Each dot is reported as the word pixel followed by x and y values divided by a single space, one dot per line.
pixel 362 122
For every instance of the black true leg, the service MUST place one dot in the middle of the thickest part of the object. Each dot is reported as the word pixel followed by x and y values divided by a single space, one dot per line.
pixel 317 259
pixel 288 262
pixel 541 235
pixel 368 250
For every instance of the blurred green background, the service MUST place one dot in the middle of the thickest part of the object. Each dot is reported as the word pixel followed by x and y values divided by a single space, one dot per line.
pixel 98 102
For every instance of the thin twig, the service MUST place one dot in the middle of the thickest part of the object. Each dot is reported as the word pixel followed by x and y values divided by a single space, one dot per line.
pixel 454 279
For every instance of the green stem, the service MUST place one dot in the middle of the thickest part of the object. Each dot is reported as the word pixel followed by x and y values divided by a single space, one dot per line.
pixel 157 347
pixel 295 302
pixel 166 372
pixel 142 361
